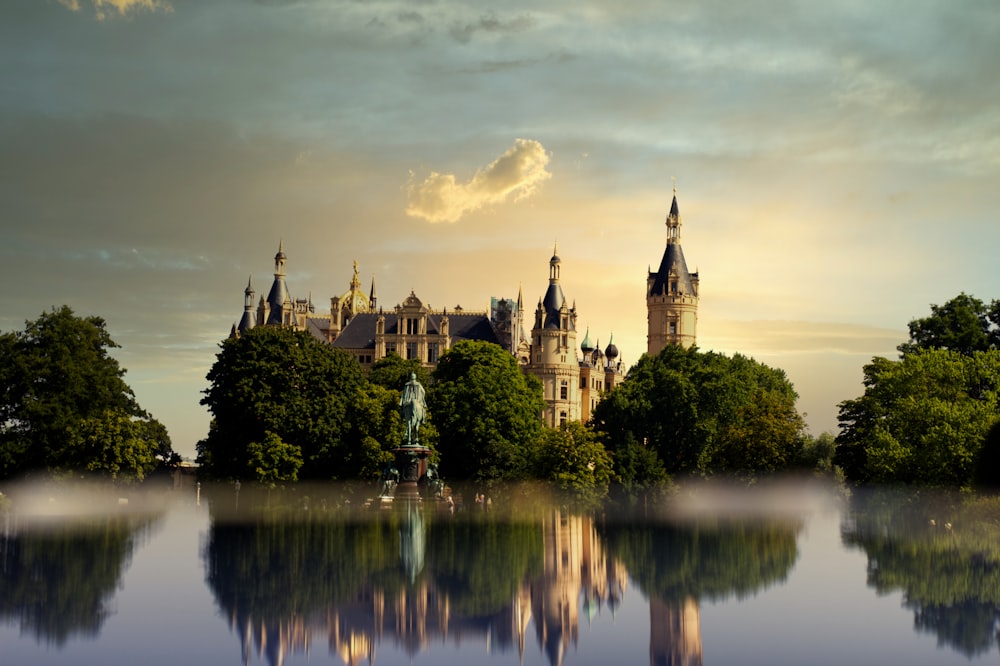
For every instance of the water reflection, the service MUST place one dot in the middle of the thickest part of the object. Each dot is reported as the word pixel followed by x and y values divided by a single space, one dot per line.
pixel 677 562
pixel 415 574
pixel 312 575
pixel 943 552
pixel 62 557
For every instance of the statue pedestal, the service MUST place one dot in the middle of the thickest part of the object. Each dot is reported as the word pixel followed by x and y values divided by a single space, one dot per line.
pixel 411 461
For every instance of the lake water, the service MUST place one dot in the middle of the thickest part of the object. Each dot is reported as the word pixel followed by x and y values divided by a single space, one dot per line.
pixel 796 574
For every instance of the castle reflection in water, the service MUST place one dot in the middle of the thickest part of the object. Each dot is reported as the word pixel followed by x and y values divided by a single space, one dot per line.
pixel 576 576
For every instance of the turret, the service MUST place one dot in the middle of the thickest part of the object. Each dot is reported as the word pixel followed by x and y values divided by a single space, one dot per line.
pixel 278 298
pixel 247 321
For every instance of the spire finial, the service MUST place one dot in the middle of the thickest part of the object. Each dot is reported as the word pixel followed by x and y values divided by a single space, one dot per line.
pixel 674 179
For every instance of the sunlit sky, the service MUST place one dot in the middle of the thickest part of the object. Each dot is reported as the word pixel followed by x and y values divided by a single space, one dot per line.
pixel 837 167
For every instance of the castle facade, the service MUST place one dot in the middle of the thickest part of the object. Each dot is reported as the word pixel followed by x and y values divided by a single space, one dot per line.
pixel 573 377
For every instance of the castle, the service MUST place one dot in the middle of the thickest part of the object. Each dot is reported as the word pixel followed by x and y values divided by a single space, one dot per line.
pixel 573 378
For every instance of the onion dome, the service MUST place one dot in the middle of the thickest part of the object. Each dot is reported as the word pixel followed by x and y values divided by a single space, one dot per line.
pixel 611 351
pixel 585 346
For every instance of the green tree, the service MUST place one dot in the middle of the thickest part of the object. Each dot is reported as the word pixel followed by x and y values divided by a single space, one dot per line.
pixel 487 413
pixel 111 443
pixel 392 372
pixel 574 459
pixel 817 452
pixel 637 469
pixel 377 427
pixel 273 460
pixel 156 432
pixel 964 324
pixel 288 384
pixel 702 413
pixel 65 405
pixel 922 419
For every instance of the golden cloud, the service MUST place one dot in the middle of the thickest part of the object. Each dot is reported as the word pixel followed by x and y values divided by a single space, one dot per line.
pixel 122 7
pixel 518 173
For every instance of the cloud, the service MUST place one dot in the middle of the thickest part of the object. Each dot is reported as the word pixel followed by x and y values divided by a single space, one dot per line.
pixel 489 23
pixel 800 337
pixel 102 8
pixel 518 172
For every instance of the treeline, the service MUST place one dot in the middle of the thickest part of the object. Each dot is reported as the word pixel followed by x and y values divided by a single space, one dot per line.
pixel 286 406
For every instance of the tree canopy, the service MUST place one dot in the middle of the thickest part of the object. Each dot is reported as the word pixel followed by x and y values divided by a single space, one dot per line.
pixel 964 324
pixel 922 419
pixel 575 461
pixel 487 413
pixel 64 404
pixel 701 413
pixel 393 371
pixel 285 406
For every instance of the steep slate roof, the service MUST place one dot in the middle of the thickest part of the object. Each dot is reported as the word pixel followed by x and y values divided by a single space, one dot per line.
pixel 553 300
pixel 360 331
pixel 673 259
pixel 672 262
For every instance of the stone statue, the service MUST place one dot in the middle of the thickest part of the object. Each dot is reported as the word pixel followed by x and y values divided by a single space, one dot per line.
pixel 414 407
pixel 390 478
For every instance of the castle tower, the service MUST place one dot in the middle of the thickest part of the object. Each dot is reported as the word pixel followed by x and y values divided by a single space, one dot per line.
pixel 247 321
pixel 553 351
pixel 671 294
pixel 277 309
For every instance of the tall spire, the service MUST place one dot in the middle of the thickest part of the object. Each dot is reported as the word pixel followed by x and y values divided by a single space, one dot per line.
pixel 279 260
pixel 674 220
pixel 372 298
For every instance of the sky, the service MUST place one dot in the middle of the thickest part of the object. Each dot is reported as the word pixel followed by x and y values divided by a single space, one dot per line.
pixel 837 168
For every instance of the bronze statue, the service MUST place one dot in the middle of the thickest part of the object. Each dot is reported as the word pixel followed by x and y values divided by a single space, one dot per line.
pixel 414 408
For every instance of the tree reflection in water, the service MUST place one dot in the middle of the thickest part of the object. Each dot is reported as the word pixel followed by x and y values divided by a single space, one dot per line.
pixel 677 562
pixel 408 574
pixel 942 551
pixel 58 573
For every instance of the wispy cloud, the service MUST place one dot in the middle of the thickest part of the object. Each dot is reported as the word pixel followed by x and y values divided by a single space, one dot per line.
pixel 104 9
pixel 490 24
pixel 518 173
